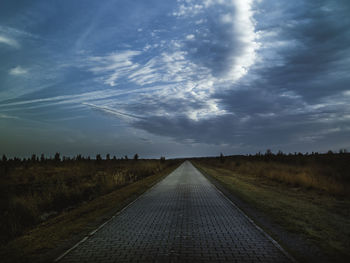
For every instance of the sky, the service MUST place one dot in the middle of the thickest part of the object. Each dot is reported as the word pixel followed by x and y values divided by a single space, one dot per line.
pixel 174 78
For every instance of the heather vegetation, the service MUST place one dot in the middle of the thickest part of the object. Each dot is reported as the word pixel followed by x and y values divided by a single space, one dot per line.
pixel 307 195
pixel 325 172
pixel 36 189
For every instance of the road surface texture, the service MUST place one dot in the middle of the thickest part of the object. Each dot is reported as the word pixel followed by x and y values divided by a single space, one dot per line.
pixel 184 218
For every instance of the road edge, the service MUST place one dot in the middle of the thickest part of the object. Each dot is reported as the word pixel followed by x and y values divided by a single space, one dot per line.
pixel 91 233
pixel 271 239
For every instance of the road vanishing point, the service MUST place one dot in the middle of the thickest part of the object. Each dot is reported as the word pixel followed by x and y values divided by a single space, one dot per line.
pixel 183 218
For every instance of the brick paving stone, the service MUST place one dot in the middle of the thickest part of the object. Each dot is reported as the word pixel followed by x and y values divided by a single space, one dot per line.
pixel 184 218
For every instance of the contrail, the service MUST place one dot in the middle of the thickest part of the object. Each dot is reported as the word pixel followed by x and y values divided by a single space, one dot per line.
pixel 113 111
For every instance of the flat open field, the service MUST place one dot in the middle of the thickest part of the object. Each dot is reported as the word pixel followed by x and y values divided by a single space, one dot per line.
pixel 301 201
pixel 306 196
pixel 46 206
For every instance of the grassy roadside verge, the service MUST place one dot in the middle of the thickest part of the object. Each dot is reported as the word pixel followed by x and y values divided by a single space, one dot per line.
pixel 36 244
pixel 316 216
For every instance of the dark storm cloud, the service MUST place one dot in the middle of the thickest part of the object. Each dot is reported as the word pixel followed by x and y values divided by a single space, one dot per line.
pixel 214 43
pixel 317 50
pixel 294 132
pixel 295 97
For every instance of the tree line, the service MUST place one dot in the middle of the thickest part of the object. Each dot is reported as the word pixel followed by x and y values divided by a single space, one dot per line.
pixel 296 157
pixel 57 158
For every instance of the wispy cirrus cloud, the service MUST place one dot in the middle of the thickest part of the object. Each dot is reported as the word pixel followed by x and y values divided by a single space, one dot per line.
pixel 225 43
pixel 221 54
pixel 113 66
pixel 218 51
pixel 178 77
pixel 97 96
pixel 18 71
pixel 113 112
pixel 12 37
pixel 8 41
pixel 6 116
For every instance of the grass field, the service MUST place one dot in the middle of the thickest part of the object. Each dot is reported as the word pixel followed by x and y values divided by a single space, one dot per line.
pixel 309 197
pixel 46 203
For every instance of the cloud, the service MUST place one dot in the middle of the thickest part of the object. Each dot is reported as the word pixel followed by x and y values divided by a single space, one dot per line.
pixel 18 71
pixel 6 116
pixel 295 86
pixel 113 112
pixel 77 99
pixel 190 37
pixel 309 52
pixel 216 52
pixel 116 65
pixel 199 60
pixel 209 72
pixel 9 41
pixel 226 41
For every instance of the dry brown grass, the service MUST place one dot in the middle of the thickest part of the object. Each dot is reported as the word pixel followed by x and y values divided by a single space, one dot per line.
pixel 32 192
pixel 326 173
pixel 306 176
pixel 292 198
pixel 37 244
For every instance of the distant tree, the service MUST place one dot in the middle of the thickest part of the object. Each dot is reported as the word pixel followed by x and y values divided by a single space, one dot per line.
pixel 98 157
pixel 108 157
pixel 126 157
pixel 42 158
pixel 114 158
pixel 57 157
pixel 222 158
pixel 33 159
pixel 268 152
pixel 78 158
pixel 4 166
pixel 280 153
pixel 162 159
pixel 342 151
pixel 136 157
pixel 330 152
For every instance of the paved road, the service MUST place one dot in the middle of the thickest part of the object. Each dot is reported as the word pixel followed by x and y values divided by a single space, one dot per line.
pixel 184 218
